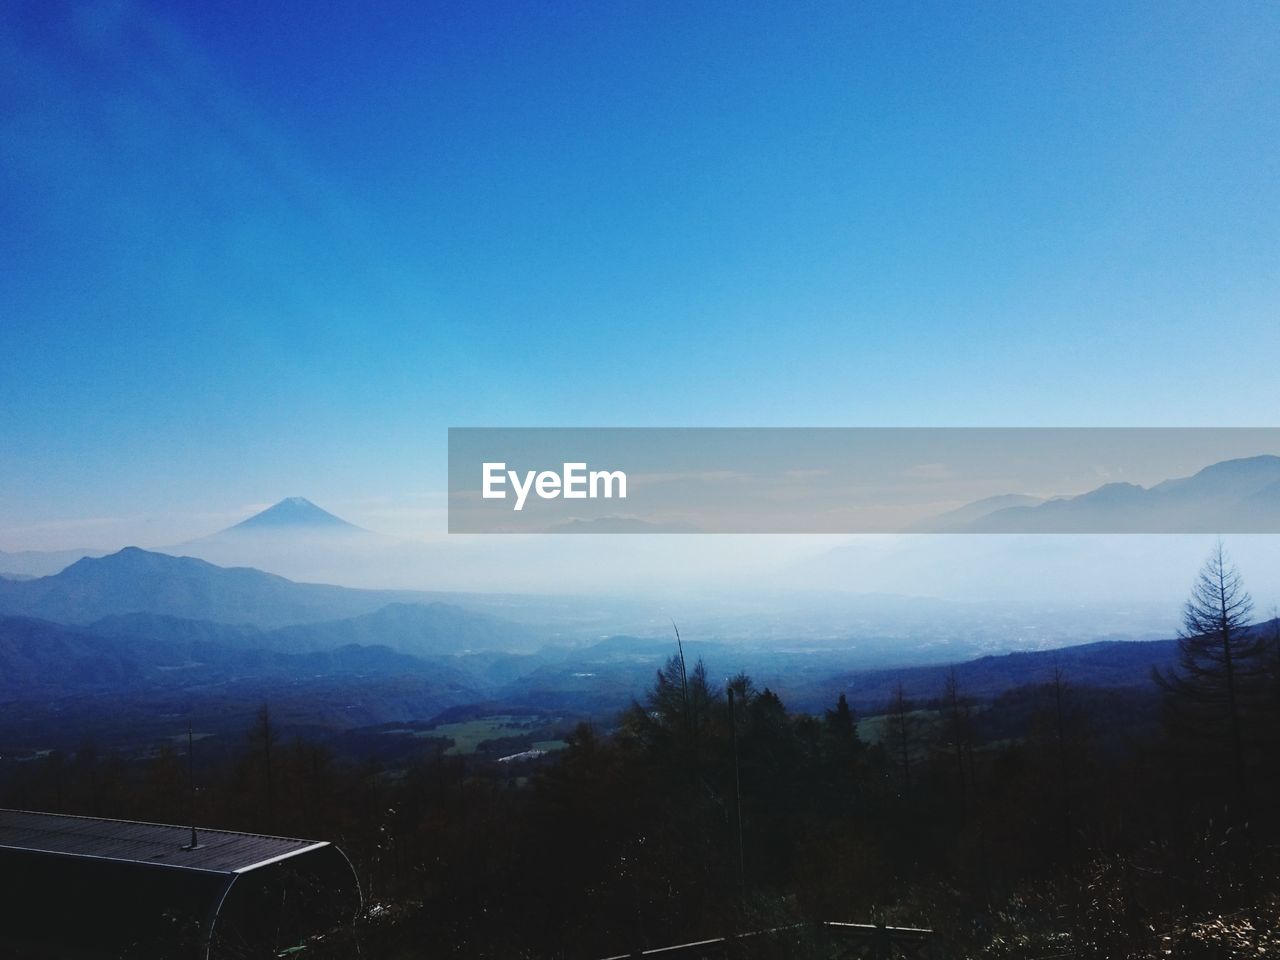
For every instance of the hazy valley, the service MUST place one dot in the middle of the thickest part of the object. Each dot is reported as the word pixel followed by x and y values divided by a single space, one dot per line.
pixel 126 649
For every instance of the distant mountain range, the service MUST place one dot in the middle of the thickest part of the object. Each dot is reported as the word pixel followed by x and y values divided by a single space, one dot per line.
pixel 962 518
pixel 137 620
pixel 1234 496
pixel 134 580
pixel 293 526
pixel 162 597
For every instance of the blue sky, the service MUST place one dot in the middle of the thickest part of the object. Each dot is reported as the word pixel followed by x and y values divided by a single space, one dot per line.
pixel 255 255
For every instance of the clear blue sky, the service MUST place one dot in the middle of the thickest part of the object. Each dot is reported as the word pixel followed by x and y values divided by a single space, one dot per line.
pixel 255 251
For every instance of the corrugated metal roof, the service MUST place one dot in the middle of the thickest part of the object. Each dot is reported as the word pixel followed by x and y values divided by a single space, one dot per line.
pixel 155 844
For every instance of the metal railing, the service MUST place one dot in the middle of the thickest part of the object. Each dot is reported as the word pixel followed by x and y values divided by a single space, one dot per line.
pixel 871 940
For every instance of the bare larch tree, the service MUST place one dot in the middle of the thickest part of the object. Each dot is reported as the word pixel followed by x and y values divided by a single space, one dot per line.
pixel 1209 695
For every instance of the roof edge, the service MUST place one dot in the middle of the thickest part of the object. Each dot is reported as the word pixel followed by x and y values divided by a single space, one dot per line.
pixel 281 856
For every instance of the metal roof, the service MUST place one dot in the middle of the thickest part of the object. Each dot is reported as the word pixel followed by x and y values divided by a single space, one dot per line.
pixel 153 844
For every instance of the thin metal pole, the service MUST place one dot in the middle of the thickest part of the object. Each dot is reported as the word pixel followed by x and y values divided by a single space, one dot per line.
pixel 191 785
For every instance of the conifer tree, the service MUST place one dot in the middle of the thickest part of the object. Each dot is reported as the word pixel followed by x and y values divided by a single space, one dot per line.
pixel 1210 697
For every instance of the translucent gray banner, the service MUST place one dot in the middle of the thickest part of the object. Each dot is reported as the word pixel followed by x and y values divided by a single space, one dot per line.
pixel 864 480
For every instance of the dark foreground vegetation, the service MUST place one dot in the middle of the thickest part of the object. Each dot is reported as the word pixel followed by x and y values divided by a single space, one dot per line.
pixel 1056 820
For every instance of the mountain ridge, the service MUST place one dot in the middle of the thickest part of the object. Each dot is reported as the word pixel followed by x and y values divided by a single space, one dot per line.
pixel 1241 495
pixel 137 581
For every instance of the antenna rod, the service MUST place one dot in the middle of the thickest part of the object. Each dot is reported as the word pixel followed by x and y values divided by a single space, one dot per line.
pixel 191 785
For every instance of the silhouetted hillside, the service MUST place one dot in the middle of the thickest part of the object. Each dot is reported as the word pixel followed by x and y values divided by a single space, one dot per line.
pixel 139 581
pixel 1108 663
pixel 36 655
pixel 39 658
